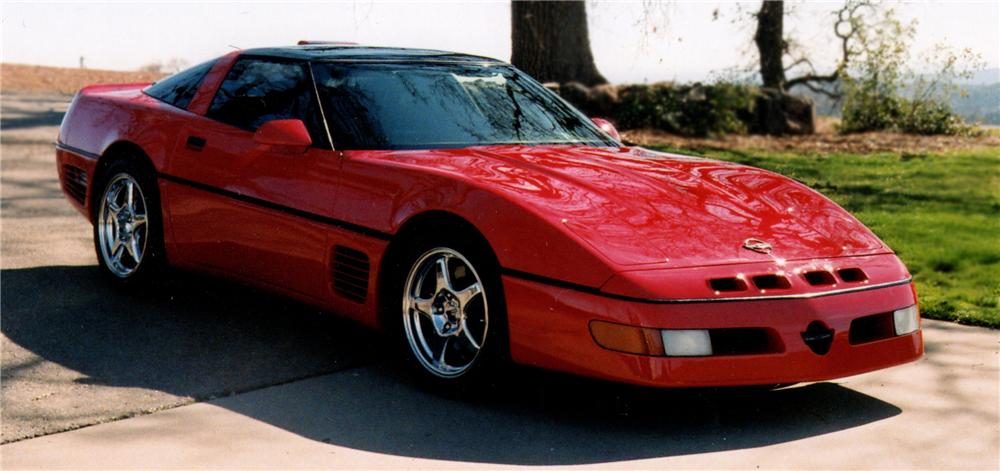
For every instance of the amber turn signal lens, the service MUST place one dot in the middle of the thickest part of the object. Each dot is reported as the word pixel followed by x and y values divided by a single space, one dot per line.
pixel 626 338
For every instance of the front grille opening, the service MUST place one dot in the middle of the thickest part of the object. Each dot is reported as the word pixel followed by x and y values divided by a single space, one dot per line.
pixel 819 278
pixel 763 282
pixel 852 275
pixel 75 182
pixel 745 341
pixel 727 284
pixel 871 328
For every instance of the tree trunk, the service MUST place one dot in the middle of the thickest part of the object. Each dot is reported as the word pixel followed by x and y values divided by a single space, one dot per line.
pixel 551 43
pixel 771 43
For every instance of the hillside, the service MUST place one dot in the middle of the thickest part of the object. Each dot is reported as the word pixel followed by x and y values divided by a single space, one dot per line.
pixel 23 78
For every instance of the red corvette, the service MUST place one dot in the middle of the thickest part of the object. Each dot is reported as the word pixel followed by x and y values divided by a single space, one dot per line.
pixel 456 203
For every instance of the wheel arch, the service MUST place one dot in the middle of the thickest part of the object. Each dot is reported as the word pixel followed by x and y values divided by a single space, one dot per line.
pixel 118 150
pixel 436 220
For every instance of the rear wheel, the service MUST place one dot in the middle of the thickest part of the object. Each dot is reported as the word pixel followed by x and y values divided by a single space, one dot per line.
pixel 452 315
pixel 127 230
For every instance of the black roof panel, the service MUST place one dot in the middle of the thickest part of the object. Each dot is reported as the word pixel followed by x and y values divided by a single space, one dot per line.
pixel 363 53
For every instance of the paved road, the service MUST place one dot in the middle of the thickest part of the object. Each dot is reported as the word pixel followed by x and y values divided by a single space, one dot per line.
pixel 76 352
pixel 938 413
pixel 294 388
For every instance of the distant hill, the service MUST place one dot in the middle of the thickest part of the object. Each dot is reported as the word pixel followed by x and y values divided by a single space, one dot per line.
pixel 980 102
pixel 42 79
pixel 985 77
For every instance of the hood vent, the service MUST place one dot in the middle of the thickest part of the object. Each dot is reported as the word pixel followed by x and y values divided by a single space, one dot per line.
pixel 766 282
pixel 852 275
pixel 819 278
pixel 350 273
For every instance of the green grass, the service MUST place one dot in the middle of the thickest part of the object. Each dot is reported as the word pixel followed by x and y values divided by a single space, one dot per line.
pixel 939 212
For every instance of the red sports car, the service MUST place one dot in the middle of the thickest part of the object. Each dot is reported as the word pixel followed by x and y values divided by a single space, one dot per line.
pixel 456 203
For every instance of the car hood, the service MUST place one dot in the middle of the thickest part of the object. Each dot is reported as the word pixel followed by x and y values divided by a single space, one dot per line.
pixel 637 207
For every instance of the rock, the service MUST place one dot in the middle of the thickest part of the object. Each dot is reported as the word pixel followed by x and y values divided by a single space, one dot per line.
pixel 598 101
pixel 779 113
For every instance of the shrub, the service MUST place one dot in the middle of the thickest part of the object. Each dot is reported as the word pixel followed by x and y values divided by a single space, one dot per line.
pixel 881 93
pixel 692 110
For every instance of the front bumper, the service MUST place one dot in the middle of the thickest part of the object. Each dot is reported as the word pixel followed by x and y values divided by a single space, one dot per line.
pixel 549 328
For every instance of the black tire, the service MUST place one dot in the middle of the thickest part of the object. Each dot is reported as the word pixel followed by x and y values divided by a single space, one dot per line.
pixel 128 273
pixel 489 366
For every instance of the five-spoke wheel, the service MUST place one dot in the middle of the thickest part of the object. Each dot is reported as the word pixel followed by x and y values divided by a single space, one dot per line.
pixel 122 230
pixel 127 226
pixel 445 312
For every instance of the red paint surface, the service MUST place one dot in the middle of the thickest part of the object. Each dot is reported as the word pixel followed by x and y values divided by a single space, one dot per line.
pixel 626 221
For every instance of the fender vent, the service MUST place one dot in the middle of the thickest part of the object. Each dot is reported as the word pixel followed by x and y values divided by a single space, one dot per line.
pixel 350 273
pixel 75 182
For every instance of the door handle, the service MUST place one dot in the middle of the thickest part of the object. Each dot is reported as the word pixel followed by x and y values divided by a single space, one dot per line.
pixel 195 143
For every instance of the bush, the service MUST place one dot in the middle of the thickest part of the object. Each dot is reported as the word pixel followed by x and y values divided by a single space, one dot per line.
pixel 930 117
pixel 867 110
pixel 881 93
pixel 692 110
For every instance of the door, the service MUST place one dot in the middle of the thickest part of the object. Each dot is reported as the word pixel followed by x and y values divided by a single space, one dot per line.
pixel 250 209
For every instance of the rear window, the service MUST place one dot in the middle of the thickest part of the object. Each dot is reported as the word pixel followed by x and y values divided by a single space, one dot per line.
pixel 180 88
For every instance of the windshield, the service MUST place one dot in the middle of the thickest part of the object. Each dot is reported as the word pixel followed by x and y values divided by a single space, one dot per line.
pixel 422 106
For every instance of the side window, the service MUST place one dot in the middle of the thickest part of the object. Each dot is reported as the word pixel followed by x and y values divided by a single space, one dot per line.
pixel 180 88
pixel 256 91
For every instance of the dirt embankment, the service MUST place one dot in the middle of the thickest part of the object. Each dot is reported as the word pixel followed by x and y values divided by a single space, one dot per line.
pixel 21 78
pixel 828 142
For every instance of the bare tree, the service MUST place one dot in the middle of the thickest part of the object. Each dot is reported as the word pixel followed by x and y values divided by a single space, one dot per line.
pixel 773 46
pixel 550 41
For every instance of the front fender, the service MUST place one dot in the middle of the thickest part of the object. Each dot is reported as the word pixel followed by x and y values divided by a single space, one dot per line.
pixel 383 193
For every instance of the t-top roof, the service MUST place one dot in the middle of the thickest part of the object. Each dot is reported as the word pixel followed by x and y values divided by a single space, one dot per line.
pixel 364 53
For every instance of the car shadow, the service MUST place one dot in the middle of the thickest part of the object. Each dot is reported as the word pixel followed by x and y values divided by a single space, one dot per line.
pixel 190 336
pixel 205 338
pixel 541 418
pixel 33 119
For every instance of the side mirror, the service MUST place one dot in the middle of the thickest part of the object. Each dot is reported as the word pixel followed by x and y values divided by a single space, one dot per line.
pixel 283 132
pixel 607 127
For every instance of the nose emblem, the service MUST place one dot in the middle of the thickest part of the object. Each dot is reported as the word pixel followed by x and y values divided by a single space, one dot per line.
pixel 818 337
pixel 757 245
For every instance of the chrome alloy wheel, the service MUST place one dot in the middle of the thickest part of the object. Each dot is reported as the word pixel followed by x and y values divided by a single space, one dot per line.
pixel 122 229
pixel 445 312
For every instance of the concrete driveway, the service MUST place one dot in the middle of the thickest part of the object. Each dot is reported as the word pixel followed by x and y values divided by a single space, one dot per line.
pixel 206 374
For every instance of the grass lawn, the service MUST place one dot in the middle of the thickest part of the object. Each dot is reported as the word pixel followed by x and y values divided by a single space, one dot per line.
pixel 940 212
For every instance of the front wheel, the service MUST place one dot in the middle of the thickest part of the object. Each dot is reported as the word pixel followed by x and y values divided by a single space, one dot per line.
pixel 452 314
pixel 127 224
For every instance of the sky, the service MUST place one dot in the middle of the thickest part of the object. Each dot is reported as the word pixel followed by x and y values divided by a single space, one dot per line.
pixel 632 41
